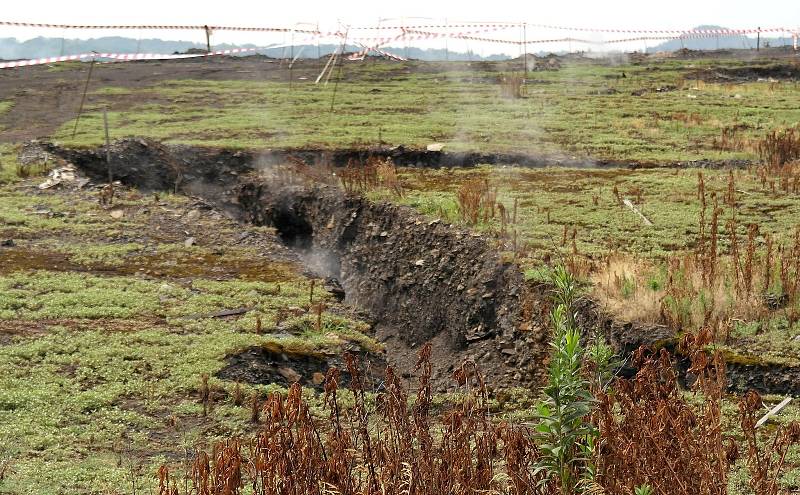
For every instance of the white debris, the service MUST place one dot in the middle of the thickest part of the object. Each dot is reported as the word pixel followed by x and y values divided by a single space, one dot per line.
pixel 435 147
pixel 772 412
pixel 67 174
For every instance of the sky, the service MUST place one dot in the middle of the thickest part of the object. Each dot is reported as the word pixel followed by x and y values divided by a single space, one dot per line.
pixel 622 14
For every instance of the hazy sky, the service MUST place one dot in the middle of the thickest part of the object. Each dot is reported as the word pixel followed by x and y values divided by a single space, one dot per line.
pixel 640 14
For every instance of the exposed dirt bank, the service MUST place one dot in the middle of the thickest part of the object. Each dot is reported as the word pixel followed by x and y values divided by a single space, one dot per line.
pixel 151 165
pixel 421 280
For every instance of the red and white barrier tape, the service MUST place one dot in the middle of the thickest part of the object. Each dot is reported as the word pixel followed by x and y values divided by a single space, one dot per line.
pixel 476 25
pixel 661 31
pixel 407 33
pixel 363 53
pixel 130 57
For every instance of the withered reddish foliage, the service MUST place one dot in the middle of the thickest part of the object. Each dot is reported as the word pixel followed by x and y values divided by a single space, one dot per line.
pixel 397 449
pixel 765 465
pixel 470 198
pixel 779 147
pixel 649 434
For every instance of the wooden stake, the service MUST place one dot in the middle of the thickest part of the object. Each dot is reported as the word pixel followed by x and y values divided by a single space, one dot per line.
pixel 208 38
pixel 319 77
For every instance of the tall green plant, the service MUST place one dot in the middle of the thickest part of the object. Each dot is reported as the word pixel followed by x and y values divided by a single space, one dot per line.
pixel 564 435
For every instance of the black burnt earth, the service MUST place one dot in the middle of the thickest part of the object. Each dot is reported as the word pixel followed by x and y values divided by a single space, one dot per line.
pixel 262 366
pixel 442 278
pixel 421 280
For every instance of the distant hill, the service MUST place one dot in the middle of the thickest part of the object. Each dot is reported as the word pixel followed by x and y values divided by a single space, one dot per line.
pixel 11 48
pixel 717 42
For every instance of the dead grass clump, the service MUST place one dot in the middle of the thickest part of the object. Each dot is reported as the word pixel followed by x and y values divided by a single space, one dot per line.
pixel 616 285
pixel 732 139
pixel 779 147
pixel 470 198
pixel 25 170
pixel 765 465
pixel 238 395
pixel 651 435
pixel 358 177
pixel 297 172
pixel 387 174
pixel 692 118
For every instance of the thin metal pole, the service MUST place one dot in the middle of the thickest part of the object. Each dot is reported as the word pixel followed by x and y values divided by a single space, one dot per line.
pixel 83 98
pixel 525 45
pixel 446 41
pixel 403 24
pixel 108 146
pixel 291 57
pixel 339 74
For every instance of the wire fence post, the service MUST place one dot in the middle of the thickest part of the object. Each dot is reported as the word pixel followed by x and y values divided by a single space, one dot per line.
pixel 83 98
pixel 525 46
pixel 108 146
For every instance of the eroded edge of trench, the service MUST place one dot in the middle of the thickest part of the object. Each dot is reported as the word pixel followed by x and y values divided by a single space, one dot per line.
pixel 420 280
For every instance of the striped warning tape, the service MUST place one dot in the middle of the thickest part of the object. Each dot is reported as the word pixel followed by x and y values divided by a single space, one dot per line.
pixel 661 31
pixel 130 57
pixel 476 25
pixel 413 35
pixel 373 44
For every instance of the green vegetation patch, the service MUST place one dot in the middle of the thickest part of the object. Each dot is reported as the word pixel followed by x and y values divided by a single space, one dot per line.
pixel 104 359
pixel 639 272
pixel 657 112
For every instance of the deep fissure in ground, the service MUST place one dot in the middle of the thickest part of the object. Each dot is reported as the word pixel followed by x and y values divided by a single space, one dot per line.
pixel 420 280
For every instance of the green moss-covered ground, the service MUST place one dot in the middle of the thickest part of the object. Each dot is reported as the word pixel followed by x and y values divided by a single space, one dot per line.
pixel 661 111
pixel 105 335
